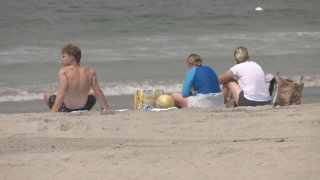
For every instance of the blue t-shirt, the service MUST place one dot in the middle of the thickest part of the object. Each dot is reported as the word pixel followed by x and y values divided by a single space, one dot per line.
pixel 203 79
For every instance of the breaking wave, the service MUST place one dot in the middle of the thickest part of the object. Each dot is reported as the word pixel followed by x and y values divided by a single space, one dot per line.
pixel 30 93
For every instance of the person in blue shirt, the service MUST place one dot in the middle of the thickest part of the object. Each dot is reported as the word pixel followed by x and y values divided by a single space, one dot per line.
pixel 200 88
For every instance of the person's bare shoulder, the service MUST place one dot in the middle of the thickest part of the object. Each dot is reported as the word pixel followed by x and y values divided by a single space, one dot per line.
pixel 62 71
pixel 89 70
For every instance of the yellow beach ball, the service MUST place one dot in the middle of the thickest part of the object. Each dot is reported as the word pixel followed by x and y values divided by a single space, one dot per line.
pixel 165 101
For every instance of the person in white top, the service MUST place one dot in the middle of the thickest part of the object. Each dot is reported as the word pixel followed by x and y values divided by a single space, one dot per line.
pixel 246 81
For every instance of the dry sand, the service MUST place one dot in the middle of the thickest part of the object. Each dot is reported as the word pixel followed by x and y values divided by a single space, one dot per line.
pixel 241 143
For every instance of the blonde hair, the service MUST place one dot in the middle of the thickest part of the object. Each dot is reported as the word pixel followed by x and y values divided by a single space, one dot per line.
pixel 241 54
pixel 194 60
pixel 72 50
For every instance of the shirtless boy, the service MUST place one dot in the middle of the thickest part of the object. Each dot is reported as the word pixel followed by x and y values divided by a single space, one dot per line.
pixel 75 84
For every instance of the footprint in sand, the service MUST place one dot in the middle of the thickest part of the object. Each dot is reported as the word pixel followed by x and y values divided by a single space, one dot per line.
pixel 65 126
pixel 43 125
pixel 227 150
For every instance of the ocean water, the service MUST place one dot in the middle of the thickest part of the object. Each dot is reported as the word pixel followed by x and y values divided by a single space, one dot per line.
pixel 136 44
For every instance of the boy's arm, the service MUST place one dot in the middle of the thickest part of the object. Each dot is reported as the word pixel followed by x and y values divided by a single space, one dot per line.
pixel 99 94
pixel 61 92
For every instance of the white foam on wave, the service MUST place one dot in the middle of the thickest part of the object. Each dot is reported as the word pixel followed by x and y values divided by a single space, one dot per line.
pixel 26 55
pixel 21 96
pixel 127 88
pixel 117 88
pixel 312 81
pixel 313 34
pixel 110 89
pixel 32 50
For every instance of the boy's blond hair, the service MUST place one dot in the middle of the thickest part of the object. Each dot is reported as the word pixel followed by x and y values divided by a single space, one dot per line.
pixel 72 50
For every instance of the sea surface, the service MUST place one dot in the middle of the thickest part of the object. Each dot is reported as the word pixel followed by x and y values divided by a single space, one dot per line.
pixel 143 44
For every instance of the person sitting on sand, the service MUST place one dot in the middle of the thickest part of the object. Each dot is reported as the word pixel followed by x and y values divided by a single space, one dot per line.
pixel 200 88
pixel 75 84
pixel 246 81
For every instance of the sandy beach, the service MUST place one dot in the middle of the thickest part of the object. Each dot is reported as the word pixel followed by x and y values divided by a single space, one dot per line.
pixel 241 143
pixel 143 44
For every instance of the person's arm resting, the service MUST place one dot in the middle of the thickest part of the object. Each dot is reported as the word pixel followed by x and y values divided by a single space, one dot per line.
pixel 99 94
pixel 63 85
pixel 225 77
pixel 187 84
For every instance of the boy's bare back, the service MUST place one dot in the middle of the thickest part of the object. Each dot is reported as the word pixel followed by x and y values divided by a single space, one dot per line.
pixel 79 82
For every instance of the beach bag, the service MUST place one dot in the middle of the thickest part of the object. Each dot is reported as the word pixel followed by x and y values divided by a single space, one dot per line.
pixel 286 92
pixel 146 98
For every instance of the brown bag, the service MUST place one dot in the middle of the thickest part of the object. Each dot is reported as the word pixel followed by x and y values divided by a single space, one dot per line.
pixel 287 92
